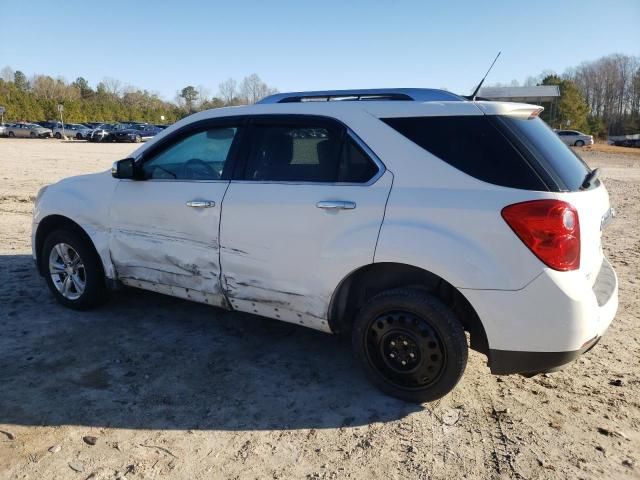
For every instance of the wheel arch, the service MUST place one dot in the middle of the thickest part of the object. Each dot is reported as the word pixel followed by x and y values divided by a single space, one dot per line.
pixel 57 222
pixel 367 281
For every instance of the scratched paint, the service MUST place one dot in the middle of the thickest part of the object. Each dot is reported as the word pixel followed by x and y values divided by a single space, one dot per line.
pixel 170 265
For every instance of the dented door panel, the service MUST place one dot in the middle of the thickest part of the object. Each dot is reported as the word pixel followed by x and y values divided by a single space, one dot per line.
pixel 282 257
pixel 159 243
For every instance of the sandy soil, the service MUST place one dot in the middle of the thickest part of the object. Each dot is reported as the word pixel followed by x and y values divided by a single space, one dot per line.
pixel 171 389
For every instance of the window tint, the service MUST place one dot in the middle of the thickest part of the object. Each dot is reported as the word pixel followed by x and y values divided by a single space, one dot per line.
pixel 567 168
pixel 306 153
pixel 200 156
pixel 473 145
pixel 356 166
pixel 293 153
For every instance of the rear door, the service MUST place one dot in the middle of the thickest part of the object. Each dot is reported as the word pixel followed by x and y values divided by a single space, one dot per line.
pixel 303 211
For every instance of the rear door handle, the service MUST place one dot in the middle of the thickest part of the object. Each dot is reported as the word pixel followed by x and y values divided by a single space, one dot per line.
pixel 201 203
pixel 336 205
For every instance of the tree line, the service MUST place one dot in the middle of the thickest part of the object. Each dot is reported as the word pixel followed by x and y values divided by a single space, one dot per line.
pixel 37 98
pixel 601 97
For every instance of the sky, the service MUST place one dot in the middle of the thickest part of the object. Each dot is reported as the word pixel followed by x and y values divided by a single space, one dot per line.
pixel 163 46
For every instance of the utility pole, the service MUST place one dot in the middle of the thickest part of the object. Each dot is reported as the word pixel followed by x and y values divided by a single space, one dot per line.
pixel 61 109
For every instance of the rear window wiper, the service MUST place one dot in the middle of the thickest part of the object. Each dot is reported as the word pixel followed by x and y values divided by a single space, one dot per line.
pixel 590 178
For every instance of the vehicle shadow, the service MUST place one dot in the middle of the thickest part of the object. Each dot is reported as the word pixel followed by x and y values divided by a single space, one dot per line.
pixel 149 361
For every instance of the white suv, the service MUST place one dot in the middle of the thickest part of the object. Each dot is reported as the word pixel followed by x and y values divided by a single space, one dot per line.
pixel 402 217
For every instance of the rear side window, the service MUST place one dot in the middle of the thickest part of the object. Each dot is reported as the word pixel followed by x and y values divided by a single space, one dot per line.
pixel 473 145
pixel 566 168
pixel 306 153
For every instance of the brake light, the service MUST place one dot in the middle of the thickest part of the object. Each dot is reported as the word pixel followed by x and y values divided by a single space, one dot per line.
pixel 550 229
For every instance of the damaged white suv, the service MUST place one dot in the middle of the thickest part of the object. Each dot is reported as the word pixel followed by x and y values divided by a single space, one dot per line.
pixel 402 217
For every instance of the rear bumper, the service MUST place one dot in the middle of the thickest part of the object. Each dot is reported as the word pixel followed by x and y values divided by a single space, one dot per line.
pixel 549 323
pixel 505 362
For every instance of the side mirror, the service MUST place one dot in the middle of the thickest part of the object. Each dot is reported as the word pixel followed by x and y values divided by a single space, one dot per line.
pixel 124 169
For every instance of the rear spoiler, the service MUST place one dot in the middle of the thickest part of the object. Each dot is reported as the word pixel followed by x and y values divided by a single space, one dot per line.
pixel 523 110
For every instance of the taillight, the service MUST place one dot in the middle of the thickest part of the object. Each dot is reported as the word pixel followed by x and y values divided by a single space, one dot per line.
pixel 551 230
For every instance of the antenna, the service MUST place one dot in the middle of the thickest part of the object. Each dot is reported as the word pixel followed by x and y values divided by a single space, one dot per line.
pixel 473 96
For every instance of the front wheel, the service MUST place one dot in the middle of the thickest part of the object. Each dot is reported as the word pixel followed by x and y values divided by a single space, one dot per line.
pixel 58 136
pixel 73 270
pixel 579 143
pixel 410 345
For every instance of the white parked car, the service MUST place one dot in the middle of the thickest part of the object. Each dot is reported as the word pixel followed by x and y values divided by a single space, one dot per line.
pixel 403 220
pixel 72 130
pixel 575 138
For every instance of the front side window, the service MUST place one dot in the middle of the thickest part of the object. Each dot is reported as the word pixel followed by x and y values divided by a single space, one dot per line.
pixel 199 156
pixel 306 153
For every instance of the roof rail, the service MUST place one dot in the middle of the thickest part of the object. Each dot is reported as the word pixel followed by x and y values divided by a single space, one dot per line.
pixel 411 94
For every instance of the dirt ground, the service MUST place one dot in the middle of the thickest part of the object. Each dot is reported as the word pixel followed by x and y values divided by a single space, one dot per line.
pixel 171 389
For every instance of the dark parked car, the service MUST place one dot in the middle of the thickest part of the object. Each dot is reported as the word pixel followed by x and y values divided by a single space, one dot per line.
pixel 136 133
pixel 102 133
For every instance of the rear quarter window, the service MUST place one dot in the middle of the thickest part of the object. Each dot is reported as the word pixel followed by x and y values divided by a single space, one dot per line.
pixel 565 167
pixel 474 145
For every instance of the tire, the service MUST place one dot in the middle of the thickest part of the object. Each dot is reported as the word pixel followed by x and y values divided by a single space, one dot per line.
pixel 78 136
pixel 33 135
pixel 138 139
pixel 88 270
pixel 58 135
pixel 579 143
pixel 11 134
pixel 411 326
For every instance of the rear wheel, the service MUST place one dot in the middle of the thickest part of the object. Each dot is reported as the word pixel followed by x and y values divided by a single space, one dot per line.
pixel 73 270
pixel 11 134
pixel 410 345
pixel 58 135
pixel 579 143
pixel 78 136
pixel 33 135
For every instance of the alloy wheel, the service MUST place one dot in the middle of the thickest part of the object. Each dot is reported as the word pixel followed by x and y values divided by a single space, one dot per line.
pixel 67 271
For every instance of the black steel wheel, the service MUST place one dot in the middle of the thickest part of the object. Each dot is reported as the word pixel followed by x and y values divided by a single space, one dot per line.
pixel 410 345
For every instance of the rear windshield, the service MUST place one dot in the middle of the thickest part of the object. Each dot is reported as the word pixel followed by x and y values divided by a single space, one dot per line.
pixel 473 144
pixel 567 169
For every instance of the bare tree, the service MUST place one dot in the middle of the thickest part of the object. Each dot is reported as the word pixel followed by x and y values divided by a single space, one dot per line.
pixel 610 87
pixel 204 96
pixel 112 86
pixel 228 91
pixel 7 74
pixel 253 89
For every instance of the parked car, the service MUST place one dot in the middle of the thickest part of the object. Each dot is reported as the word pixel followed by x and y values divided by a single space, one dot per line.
pixel 72 130
pixel 103 131
pixel 575 138
pixel 136 133
pixel 51 124
pixel 400 223
pixel 28 130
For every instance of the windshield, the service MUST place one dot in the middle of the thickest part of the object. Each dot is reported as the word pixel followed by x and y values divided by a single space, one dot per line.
pixel 561 163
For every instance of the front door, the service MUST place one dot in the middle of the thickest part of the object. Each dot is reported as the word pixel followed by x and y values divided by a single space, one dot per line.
pixel 164 233
pixel 304 212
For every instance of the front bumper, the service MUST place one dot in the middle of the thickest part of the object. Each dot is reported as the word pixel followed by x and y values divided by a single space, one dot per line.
pixel 549 323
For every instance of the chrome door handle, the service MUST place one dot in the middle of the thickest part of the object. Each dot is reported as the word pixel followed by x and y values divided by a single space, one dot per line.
pixel 336 205
pixel 201 204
